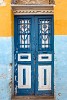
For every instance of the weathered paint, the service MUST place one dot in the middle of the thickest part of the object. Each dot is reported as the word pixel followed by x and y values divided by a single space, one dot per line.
pixel 6 45
pixel 6 62
pixel 35 50
pixel 60 67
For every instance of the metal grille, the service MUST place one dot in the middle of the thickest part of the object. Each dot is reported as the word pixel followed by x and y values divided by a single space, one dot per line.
pixel 24 33
pixel 44 33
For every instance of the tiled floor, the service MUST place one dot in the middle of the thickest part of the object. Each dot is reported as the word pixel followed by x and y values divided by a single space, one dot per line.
pixel 32 98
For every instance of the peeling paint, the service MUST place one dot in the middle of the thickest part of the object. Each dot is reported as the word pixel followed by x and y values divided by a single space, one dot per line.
pixel 59 94
pixel 60 67
pixel 2 76
pixel 5 68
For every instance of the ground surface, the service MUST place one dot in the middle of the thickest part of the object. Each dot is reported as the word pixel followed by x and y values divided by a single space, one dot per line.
pixel 32 98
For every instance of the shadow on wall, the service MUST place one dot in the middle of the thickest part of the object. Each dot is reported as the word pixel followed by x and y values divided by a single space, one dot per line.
pixel 12 31
pixel 12 23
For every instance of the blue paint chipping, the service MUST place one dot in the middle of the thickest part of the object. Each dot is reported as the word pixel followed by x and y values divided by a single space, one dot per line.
pixel 35 46
pixel 25 47
pixel 44 76
pixel 45 48
pixel 24 76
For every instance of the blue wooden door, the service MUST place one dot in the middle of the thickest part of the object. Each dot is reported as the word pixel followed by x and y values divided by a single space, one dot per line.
pixel 34 55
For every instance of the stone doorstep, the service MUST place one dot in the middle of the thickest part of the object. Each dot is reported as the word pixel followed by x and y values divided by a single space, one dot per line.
pixel 32 98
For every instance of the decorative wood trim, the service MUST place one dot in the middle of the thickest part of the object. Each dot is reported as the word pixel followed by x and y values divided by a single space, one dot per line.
pixel 32 9
pixel 31 2
pixel 25 12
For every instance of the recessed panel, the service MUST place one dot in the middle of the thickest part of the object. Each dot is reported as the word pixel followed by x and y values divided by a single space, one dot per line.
pixel 24 76
pixel 44 57
pixel 24 57
pixel 44 78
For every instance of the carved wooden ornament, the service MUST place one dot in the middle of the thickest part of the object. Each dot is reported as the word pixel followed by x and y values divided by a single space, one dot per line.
pixel 32 1
pixel 32 7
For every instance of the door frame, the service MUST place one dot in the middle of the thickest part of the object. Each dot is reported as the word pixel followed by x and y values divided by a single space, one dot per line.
pixel 15 37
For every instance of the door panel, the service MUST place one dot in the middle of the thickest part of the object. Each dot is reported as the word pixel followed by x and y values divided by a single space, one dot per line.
pixel 44 56
pixel 24 57
pixel 24 62
pixel 34 55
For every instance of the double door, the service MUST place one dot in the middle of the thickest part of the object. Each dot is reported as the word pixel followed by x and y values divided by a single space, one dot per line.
pixel 34 55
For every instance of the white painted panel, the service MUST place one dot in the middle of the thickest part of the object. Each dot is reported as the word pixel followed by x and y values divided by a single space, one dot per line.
pixel 41 85
pixel 24 54
pixel 20 76
pixel 45 55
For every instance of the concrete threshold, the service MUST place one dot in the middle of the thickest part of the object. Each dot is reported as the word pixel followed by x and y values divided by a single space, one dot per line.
pixel 33 98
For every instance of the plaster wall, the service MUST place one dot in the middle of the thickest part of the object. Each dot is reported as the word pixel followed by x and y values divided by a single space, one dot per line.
pixel 60 67
pixel 6 68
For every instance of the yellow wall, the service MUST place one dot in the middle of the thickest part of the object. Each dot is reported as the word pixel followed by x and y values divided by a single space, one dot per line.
pixel 60 18
pixel 6 20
